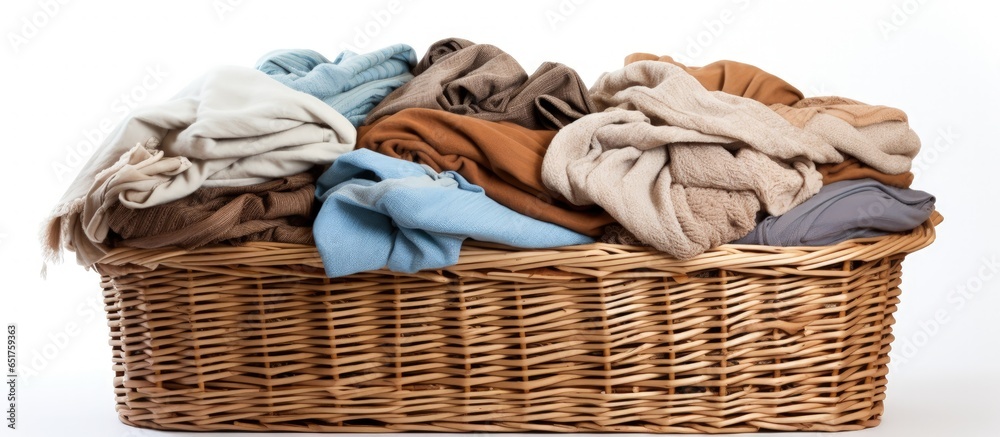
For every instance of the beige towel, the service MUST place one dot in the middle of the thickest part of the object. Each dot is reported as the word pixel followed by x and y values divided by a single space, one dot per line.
pixel 232 127
pixel 878 136
pixel 683 168
pixel 735 78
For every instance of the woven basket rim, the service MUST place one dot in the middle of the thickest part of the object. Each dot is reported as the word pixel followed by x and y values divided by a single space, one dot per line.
pixel 595 259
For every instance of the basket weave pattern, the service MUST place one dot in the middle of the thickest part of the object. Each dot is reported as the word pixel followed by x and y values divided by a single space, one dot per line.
pixel 584 338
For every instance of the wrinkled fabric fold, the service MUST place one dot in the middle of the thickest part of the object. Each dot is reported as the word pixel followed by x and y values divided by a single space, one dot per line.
pixel 212 134
pixel 482 81
pixel 682 168
pixel 440 50
pixel 503 158
pixel 279 210
pixel 852 168
pixel 734 78
pixel 842 211
pixel 853 112
pixel 380 212
pixel 878 136
pixel 352 84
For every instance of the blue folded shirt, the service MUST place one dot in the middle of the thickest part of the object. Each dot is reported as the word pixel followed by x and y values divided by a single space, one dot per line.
pixel 352 84
pixel 380 211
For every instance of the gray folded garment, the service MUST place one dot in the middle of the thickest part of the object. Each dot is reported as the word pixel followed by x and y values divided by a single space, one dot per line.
pixel 842 211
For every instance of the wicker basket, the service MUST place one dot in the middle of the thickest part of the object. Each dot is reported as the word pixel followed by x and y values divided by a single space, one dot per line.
pixel 586 338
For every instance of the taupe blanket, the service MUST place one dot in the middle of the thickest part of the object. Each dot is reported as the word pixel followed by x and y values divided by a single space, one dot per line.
pixel 482 81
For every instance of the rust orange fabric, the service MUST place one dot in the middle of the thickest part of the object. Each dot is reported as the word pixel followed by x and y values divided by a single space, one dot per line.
pixel 852 168
pixel 503 158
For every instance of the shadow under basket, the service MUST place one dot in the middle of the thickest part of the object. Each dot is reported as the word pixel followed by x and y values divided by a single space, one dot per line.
pixel 585 338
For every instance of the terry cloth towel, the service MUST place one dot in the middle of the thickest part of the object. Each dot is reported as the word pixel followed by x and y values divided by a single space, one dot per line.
pixel 683 168
pixel 842 211
pixel 482 81
pixel 615 233
pixel 213 133
pixel 279 210
pixel 380 211
pixel 734 78
pixel 352 84
pixel 503 158
pixel 878 136
pixel 851 168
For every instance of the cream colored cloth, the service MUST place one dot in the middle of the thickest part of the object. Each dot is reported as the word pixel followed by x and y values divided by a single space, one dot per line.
pixel 232 127
pixel 878 136
pixel 683 168
pixel 735 78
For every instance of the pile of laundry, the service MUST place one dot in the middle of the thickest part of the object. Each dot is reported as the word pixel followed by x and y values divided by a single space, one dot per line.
pixel 381 161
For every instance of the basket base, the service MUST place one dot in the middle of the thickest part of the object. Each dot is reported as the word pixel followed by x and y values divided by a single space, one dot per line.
pixel 595 338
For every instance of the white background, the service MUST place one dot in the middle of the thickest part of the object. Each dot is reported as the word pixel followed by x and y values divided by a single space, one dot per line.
pixel 62 79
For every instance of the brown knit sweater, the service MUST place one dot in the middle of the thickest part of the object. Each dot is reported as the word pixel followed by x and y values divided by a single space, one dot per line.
pixel 279 210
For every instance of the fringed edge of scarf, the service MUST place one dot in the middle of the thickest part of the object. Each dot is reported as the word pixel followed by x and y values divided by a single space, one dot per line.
pixel 55 233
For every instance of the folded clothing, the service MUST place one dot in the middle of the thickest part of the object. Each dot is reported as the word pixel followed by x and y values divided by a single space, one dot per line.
pixel 380 211
pixel 682 168
pixel 842 211
pixel 352 84
pixel 852 168
pixel 503 158
pixel 279 210
pixel 482 81
pixel 734 78
pixel 213 133
pixel 878 136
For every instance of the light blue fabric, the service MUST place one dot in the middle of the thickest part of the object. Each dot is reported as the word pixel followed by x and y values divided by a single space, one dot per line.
pixel 380 211
pixel 352 84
